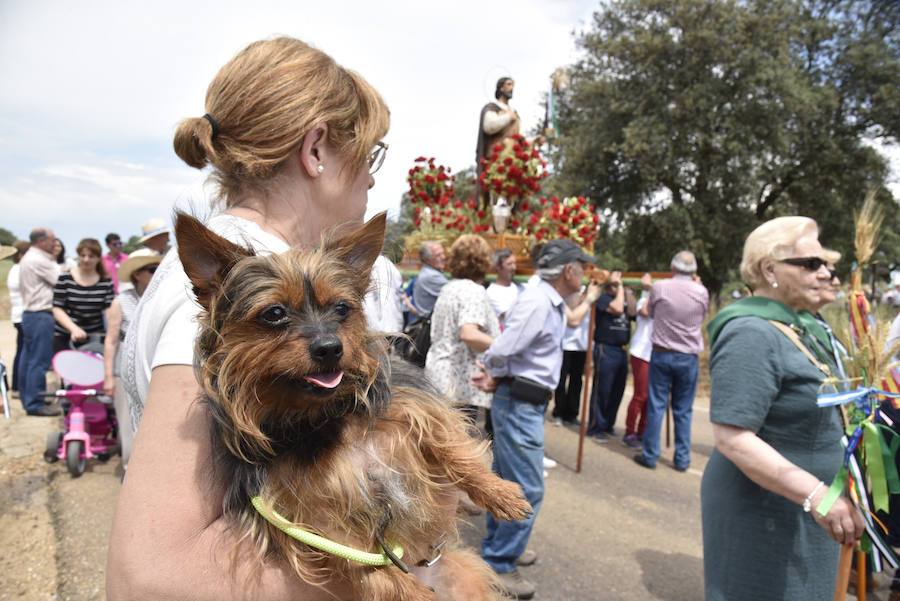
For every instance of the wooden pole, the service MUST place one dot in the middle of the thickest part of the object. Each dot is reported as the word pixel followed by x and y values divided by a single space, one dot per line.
pixel 586 390
pixel 843 577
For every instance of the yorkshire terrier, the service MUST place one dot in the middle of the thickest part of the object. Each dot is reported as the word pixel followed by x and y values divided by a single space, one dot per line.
pixel 312 421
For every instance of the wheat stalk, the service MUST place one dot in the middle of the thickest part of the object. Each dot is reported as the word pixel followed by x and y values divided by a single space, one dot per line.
pixel 868 229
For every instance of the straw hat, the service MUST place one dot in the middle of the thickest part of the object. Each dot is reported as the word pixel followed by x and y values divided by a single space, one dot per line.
pixel 7 251
pixel 152 228
pixel 138 260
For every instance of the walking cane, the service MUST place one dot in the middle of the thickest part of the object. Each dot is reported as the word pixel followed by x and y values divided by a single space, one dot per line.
pixel 586 390
pixel 845 565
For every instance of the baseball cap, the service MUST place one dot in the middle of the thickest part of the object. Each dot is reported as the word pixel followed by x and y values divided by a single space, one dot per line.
pixel 561 252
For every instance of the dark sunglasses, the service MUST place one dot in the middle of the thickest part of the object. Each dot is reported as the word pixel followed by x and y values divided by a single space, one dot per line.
pixel 808 263
pixel 151 269
pixel 115 244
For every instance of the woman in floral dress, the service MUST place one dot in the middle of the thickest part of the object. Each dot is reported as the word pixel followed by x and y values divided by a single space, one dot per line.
pixel 463 325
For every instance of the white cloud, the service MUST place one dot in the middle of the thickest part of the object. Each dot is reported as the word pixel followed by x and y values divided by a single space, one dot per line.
pixel 91 92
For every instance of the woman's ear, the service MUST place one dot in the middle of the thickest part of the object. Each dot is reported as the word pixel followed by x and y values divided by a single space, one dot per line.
pixel 767 270
pixel 313 150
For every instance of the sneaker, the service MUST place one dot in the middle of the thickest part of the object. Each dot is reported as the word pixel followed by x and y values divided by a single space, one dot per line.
pixel 516 586
pixel 571 422
pixel 639 459
pixel 527 558
pixel 546 473
pixel 599 438
pixel 631 440
pixel 549 463
pixel 556 421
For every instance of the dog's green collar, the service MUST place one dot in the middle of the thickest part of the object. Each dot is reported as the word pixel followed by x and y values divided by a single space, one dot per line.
pixel 329 546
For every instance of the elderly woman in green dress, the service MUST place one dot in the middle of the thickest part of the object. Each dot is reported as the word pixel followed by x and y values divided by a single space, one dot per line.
pixel 775 450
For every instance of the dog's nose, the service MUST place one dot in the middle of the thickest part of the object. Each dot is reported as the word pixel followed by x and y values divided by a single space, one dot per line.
pixel 327 350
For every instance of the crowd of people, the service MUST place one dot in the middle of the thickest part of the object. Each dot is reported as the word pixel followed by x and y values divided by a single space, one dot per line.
pixel 294 141
pixel 58 303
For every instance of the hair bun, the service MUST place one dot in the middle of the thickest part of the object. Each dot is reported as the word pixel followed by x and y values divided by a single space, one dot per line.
pixel 193 140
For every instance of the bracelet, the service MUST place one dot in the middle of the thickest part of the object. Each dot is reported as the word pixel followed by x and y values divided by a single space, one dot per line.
pixel 590 298
pixel 807 502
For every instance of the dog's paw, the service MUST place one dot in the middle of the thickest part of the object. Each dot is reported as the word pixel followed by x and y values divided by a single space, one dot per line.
pixel 503 499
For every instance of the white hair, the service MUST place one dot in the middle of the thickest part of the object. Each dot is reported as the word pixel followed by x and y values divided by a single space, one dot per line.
pixel 684 262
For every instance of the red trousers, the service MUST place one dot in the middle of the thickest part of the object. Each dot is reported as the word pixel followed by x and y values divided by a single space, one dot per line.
pixel 636 420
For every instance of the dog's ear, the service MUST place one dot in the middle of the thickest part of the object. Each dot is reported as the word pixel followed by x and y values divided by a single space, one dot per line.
pixel 207 257
pixel 362 247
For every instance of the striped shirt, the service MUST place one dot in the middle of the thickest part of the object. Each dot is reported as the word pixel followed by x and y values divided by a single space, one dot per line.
pixel 83 304
pixel 678 307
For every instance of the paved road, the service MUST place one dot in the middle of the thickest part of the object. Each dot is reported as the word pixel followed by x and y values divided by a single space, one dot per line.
pixel 615 531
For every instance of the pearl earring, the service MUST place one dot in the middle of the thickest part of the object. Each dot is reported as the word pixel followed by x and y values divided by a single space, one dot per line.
pixel 774 284
pixel 320 168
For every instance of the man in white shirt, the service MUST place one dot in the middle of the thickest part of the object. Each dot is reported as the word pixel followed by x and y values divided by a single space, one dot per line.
pixel 38 272
pixel 504 291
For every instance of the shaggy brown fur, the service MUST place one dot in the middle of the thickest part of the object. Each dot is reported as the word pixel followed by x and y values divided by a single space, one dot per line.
pixel 308 412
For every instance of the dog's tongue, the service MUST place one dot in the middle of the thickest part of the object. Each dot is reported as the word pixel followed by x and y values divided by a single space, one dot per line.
pixel 325 380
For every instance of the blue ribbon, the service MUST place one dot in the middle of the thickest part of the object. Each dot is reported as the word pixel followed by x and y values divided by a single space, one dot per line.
pixel 852 443
pixel 857 396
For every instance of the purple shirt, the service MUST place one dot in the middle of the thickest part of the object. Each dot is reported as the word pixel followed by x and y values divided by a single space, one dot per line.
pixel 112 268
pixel 678 306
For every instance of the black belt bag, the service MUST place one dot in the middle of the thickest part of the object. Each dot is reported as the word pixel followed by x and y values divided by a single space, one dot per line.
pixel 528 391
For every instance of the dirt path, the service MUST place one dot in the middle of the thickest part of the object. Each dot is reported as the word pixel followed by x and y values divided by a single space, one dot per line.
pixel 53 528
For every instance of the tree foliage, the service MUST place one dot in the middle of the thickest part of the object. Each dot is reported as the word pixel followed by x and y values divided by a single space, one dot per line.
pixel 688 123
pixel 7 238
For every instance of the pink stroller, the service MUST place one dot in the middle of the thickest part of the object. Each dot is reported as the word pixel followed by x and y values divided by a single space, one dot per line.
pixel 89 419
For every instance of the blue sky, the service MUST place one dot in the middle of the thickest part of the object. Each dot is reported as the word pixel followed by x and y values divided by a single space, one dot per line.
pixel 91 92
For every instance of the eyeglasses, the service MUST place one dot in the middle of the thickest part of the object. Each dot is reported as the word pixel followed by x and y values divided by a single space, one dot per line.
pixel 151 269
pixel 376 157
pixel 807 263
pixel 116 244
pixel 833 273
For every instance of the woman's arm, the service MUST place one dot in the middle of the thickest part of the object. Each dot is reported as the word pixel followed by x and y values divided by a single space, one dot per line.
pixel 575 314
pixel 110 344
pixel 63 319
pixel 169 539
pixel 474 338
pixel 768 468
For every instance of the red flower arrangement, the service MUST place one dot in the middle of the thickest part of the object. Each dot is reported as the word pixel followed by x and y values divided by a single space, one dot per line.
pixel 513 171
pixel 431 192
pixel 551 218
pixel 440 215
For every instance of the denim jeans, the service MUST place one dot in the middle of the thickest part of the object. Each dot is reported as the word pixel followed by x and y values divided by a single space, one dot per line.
pixel 675 372
pixel 610 376
pixel 38 329
pixel 518 457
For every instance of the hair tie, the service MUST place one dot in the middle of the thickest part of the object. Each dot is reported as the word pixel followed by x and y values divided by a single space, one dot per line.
pixel 215 126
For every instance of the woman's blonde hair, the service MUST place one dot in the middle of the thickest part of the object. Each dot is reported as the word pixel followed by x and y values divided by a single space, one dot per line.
pixel 264 101
pixel 470 257
pixel 774 239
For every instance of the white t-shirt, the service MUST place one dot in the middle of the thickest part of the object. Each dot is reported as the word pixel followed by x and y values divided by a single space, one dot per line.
pixel 641 346
pixel 502 297
pixel 576 339
pixel 165 324
pixel 15 294
pixel 382 305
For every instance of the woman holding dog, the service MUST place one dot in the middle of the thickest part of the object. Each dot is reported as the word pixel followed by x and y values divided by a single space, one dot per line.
pixel 776 451
pixel 294 140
